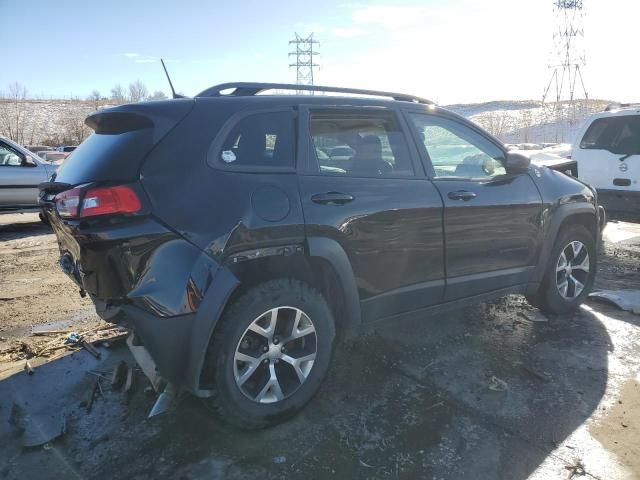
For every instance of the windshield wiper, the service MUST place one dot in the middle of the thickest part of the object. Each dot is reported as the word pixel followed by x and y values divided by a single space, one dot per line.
pixel 624 157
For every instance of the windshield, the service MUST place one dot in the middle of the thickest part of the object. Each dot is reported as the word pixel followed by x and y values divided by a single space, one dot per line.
pixel 619 135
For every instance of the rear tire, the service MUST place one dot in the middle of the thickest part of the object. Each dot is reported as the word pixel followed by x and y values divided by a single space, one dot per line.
pixel 266 370
pixel 570 272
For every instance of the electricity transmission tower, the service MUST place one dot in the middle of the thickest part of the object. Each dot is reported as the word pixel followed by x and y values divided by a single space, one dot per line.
pixel 566 83
pixel 304 63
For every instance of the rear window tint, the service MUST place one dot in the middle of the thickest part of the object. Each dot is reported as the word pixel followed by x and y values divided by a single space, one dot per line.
pixel 619 135
pixel 359 143
pixel 261 140
pixel 107 157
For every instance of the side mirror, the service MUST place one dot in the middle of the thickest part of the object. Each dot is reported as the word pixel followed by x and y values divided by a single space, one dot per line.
pixel 29 162
pixel 517 162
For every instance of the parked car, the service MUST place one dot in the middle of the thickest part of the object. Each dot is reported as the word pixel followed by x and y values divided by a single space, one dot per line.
pixel 38 148
pixel 607 150
pixel 66 148
pixel 213 229
pixel 20 173
pixel 54 157
pixel 543 158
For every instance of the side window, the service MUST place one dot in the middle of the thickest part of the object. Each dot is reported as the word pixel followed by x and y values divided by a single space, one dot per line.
pixel 456 151
pixel 359 144
pixel 619 135
pixel 10 157
pixel 260 140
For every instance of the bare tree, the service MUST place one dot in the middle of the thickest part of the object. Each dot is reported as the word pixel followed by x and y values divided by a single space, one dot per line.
pixel 157 95
pixel 118 94
pixel 137 91
pixel 526 121
pixel 12 113
pixel 75 130
pixel 95 98
pixel 496 123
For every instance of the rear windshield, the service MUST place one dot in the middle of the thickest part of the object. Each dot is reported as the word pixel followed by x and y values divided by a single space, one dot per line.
pixel 619 135
pixel 104 157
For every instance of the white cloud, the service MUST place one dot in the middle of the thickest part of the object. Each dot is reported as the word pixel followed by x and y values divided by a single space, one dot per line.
pixel 140 58
pixel 304 28
pixel 391 17
pixel 348 32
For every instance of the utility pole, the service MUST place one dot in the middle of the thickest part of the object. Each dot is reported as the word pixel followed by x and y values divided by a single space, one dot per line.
pixel 568 61
pixel 304 62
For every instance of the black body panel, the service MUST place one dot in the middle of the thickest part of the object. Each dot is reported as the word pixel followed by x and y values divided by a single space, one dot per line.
pixel 392 246
pixel 391 232
pixel 498 231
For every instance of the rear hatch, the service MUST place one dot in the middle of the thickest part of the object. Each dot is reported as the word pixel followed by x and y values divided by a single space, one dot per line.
pixel 95 200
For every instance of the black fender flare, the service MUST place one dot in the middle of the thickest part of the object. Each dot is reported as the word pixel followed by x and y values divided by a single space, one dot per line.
pixel 330 250
pixel 556 219
pixel 223 285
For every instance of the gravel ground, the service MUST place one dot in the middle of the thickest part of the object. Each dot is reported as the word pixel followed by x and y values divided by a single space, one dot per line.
pixel 421 399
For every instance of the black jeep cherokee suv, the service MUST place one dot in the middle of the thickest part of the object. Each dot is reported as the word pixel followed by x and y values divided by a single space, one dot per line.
pixel 237 233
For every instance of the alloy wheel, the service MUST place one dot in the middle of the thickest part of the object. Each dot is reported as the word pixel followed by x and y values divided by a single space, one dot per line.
pixel 275 355
pixel 572 270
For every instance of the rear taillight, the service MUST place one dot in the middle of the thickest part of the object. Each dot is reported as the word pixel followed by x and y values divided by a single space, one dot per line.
pixel 68 202
pixel 109 200
pixel 97 201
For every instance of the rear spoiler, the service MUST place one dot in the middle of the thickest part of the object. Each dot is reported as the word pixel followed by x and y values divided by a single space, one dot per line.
pixel 161 116
pixel 54 187
pixel 113 123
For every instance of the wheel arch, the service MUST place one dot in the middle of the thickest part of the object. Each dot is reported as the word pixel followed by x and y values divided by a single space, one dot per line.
pixel 325 266
pixel 579 213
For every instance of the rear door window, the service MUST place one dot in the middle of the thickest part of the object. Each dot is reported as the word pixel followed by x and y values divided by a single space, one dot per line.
pixel 261 140
pixel 359 144
pixel 619 135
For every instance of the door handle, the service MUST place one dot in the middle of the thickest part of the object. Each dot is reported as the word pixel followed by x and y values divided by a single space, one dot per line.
pixel 335 198
pixel 461 195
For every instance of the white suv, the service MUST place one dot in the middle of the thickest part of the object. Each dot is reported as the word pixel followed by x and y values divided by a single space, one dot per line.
pixel 607 151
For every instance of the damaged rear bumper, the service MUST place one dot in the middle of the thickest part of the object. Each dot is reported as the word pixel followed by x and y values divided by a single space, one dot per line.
pixel 178 344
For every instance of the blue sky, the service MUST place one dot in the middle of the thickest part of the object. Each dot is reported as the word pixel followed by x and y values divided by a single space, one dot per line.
pixel 447 50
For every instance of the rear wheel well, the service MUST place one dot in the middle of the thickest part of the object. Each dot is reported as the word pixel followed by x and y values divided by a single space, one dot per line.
pixel 313 271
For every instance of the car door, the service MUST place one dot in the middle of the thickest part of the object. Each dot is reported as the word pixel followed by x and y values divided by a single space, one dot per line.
pixel 492 218
pixel 608 154
pixel 362 186
pixel 19 178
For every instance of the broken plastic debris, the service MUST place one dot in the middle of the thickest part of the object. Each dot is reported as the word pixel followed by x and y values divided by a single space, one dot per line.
pixel 72 338
pixel 533 316
pixel 497 385
pixel 42 430
pixel 623 299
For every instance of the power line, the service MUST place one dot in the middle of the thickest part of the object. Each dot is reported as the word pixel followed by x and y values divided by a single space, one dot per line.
pixel 304 61
pixel 566 82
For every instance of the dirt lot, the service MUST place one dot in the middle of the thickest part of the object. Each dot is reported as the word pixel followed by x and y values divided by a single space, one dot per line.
pixel 415 400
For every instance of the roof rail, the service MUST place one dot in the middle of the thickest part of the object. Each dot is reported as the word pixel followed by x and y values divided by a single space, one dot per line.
pixel 618 106
pixel 247 89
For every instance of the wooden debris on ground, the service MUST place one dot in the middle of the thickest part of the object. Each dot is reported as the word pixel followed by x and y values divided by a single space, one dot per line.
pixel 51 343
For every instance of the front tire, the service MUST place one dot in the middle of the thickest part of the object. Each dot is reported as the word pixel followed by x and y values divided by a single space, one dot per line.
pixel 270 353
pixel 570 273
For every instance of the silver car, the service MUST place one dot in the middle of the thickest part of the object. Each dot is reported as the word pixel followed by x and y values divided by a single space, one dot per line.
pixel 20 173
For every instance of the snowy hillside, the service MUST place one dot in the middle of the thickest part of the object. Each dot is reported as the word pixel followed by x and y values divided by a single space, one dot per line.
pixel 529 121
pixel 53 122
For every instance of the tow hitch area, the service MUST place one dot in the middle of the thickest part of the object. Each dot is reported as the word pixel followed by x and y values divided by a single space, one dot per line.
pixel 167 391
